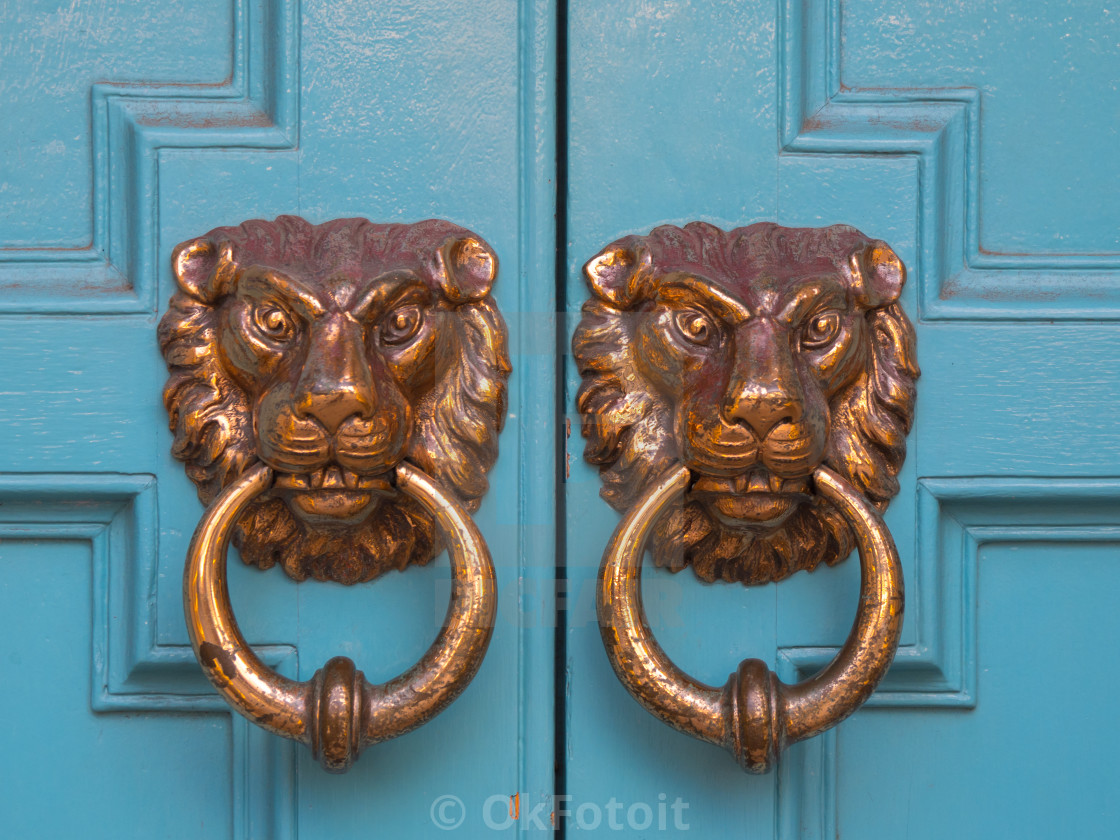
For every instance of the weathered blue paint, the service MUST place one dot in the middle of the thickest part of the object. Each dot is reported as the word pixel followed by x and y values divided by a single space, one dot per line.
pixel 978 139
pixel 126 128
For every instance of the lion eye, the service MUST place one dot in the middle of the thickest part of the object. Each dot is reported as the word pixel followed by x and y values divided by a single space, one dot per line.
pixel 821 329
pixel 274 322
pixel 695 327
pixel 401 324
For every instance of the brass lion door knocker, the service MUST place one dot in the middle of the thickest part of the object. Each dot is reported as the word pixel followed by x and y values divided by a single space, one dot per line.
pixel 747 395
pixel 336 392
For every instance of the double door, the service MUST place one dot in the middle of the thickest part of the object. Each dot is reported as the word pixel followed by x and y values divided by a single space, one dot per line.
pixel 978 140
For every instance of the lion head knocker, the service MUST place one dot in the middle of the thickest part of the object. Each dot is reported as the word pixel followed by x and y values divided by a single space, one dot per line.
pixel 336 392
pixel 331 353
pixel 746 396
pixel 752 357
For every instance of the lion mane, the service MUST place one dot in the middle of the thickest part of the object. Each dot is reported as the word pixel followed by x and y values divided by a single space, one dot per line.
pixel 455 439
pixel 628 425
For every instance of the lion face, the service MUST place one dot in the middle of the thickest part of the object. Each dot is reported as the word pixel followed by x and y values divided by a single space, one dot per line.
pixel 752 357
pixel 332 353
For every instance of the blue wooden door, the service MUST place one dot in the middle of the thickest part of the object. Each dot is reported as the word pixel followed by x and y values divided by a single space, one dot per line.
pixel 126 128
pixel 978 139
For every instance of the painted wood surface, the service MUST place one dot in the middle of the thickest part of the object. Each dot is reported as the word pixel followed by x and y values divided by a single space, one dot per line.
pixel 126 128
pixel 978 140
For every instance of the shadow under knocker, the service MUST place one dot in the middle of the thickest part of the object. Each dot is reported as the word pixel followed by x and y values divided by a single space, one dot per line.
pixel 336 392
pixel 747 395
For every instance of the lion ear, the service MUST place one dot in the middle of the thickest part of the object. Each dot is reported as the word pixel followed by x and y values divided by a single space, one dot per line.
pixel 616 272
pixel 467 268
pixel 204 269
pixel 877 274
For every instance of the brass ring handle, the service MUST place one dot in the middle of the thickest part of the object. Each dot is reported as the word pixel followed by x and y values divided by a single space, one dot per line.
pixel 337 712
pixel 754 715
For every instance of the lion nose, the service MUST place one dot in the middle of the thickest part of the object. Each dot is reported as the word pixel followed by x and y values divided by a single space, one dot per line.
pixel 762 409
pixel 332 410
pixel 336 383
pixel 764 390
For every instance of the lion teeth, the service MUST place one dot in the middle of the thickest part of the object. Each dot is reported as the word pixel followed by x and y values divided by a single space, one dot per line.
pixel 776 482
pixel 795 485
pixel 758 482
pixel 292 481
pixel 329 478
pixel 332 478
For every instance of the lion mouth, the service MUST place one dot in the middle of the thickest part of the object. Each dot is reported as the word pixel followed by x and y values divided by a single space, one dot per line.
pixel 755 499
pixel 332 495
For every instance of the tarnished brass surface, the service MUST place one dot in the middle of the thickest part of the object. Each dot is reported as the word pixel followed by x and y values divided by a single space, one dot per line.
pixel 332 353
pixel 750 356
pixel 336 392
pixel 754 715
pixel 337 712
pixel 747 395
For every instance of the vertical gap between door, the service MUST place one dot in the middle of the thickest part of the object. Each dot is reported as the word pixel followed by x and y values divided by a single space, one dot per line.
pixel 560 783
